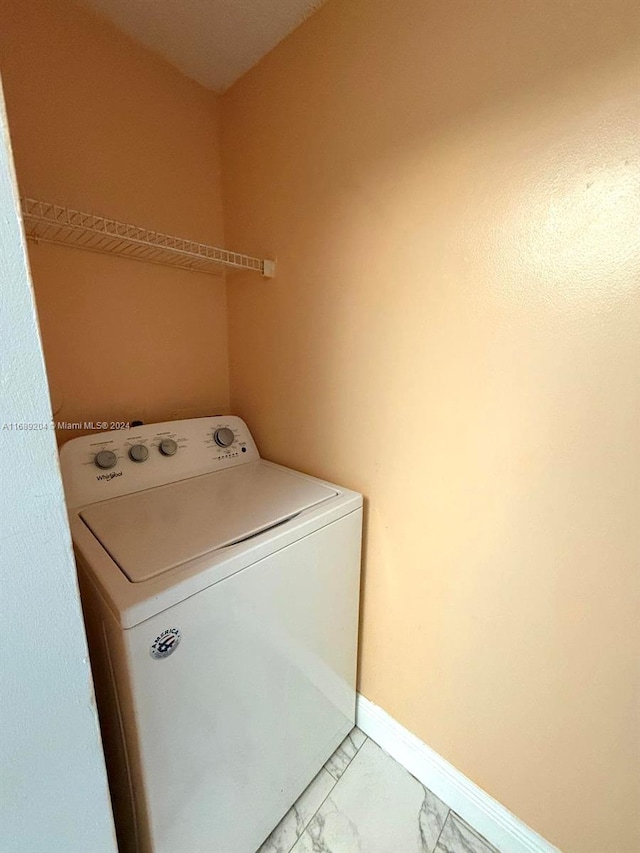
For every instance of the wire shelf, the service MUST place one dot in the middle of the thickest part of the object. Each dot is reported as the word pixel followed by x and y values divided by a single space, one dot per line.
pixel 52 223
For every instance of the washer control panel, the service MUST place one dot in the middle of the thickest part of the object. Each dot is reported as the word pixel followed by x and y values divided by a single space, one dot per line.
pixel 108 464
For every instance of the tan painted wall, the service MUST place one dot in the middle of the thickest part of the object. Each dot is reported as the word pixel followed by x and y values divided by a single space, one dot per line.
pixel 450 188
pixel 99 123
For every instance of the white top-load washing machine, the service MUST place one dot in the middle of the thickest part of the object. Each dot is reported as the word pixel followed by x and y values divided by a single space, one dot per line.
pixel 221 601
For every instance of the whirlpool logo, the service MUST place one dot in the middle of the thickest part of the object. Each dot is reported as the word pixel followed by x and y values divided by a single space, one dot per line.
pixel 165 644
pixel 110 476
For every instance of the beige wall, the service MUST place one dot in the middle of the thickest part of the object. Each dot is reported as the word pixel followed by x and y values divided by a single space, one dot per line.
pixel 99 123
pixel 450 189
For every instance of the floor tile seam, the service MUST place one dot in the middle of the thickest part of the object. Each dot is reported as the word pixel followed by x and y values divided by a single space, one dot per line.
pixel 325 798
pixel 415 778
pixel 475 832
pixel 324 766
pixel 348 764
pixel 329 792
pixel 444 822
pixel 366 738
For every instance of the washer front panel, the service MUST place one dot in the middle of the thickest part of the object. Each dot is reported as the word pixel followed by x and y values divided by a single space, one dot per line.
pixel 255 698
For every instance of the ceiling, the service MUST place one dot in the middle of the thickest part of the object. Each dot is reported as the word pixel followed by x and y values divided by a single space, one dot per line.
pixel 211 41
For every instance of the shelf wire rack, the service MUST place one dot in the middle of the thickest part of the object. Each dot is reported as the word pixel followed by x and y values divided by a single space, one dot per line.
pixel 52 223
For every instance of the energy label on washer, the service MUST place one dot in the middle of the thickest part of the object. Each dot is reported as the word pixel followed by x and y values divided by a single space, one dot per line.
pixel 166 643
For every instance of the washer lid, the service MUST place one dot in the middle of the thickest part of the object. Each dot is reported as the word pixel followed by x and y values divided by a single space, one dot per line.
pixel 148 533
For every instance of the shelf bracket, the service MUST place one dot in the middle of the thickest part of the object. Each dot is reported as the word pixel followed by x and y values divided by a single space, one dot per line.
pixel 268 269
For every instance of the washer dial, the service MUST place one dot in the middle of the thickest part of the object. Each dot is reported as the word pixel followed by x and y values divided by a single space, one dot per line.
pixel 224 437
pixel 168 447
pixel 139 453
pixel 105 459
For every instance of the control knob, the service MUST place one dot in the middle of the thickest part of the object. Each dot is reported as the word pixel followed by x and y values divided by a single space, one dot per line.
pixel 138 453
pixel 168 447
pixel 105 459
pixel 224 437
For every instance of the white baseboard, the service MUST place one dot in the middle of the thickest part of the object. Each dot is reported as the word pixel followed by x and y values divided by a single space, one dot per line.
pixel 496 823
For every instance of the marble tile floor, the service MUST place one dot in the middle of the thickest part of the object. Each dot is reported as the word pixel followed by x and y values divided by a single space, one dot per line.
pixel 363 801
